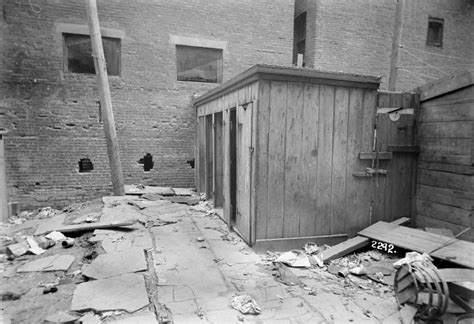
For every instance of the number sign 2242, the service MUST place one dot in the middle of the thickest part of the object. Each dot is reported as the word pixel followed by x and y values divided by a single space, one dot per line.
pixel 388 248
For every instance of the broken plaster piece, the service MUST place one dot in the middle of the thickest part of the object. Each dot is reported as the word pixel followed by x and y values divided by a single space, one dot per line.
pixel 50 263
pixel 295 259
pixel 126 292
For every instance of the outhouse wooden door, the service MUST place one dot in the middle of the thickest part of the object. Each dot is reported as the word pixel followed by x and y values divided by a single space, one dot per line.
pixel 244 168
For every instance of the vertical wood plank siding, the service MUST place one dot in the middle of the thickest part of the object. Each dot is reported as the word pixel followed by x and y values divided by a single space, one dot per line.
pixel 309 140
pixel 445 182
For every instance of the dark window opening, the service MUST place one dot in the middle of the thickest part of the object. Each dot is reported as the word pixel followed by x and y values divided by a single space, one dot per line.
pixel 199 64
pixel 435 32
pixel 85 165
pixel 299 38
pixel 78 54
pixel 147 162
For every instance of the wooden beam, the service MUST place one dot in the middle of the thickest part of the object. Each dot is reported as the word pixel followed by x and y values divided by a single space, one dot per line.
pixel 397 36
pixel 352 244
pixel 375 155
pixel 105 99
pixel 403 148
pixel 447 84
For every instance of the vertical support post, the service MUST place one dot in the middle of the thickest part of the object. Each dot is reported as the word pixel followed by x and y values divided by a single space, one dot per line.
pixel 105 99
pixel 3 184
pixel 397 36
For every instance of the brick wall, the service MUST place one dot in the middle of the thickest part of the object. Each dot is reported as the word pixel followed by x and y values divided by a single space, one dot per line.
pixel 53 118
pixel 356 37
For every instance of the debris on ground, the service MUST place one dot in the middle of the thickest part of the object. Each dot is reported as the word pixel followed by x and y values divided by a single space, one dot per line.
pixel 246 305
pixel 311 248
pixel 295 259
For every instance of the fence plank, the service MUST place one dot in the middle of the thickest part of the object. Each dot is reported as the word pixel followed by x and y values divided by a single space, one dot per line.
pixel 341 120
pixel 292 198
pixel 309 160
pixel 276 158
pixel 325 139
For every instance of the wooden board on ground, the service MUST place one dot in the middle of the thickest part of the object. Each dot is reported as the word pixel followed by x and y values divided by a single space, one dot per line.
pixel 352 244
pixel 459 252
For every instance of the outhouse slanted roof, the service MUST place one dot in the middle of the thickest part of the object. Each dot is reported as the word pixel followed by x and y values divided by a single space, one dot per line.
pixel 289 73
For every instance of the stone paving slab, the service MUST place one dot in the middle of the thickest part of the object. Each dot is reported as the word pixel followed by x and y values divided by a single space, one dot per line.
pixel 116 263
pixel 126 292
pixel 144 318
pixel 59 262
pixel 198 279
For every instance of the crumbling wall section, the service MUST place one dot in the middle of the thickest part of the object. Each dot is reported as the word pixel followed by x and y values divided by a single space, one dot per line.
pixel 53 116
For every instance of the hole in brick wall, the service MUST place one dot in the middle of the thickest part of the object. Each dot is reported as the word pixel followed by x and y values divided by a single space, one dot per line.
pixel 37 183
pixel 85 165
pixel 191 163
pixel 147 162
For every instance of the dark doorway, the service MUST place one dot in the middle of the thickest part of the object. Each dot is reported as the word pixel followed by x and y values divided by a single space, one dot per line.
pixel 218 161
pixel 209 159
pixel 233 165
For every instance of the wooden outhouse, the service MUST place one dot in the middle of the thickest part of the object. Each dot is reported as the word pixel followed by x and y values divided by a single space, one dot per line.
pixel 284 151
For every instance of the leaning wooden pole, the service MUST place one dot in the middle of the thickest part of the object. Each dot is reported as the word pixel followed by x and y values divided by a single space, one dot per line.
pixel 105 98
pixel 396 40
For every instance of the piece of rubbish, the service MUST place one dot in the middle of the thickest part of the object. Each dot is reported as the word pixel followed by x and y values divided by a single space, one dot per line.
pixel 316 260
pixel 311 248
pixel 295 258
pixel 344 272
pixel 200 239
pixel 56 236
pixel 411 257
pixel 45 243
pixel 359 270
pixel 67 243
pixel 88 218
pixel 284 275
pixel 34 247
pixel 246 305
pixel 10 295
pixel 49 289
pixel 62 318
pixel 90 318
pixel 18 249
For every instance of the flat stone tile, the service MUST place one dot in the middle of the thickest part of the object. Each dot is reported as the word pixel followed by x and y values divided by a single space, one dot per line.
pixel 59 262
pixel 126 292
pixel 144 318
pixel 116 263
pixel 222 316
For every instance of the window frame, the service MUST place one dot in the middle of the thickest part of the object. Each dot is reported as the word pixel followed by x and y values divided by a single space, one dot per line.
pixel 66 57
pixel 66 28
pixel 440 33
pixel 219 63
pixel 175 40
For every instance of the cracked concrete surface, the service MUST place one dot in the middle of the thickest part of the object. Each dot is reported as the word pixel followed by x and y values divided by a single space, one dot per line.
pixel 197 279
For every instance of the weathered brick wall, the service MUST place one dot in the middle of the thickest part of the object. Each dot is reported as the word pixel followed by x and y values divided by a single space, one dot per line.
pixel 419 63
pixel 356 37
pixel 53 117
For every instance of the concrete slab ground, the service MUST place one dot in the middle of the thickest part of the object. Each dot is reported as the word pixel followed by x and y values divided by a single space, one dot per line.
pixel 201 266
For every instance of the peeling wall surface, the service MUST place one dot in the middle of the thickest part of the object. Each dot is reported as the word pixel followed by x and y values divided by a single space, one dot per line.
pixel 356 37
pixel 53 117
